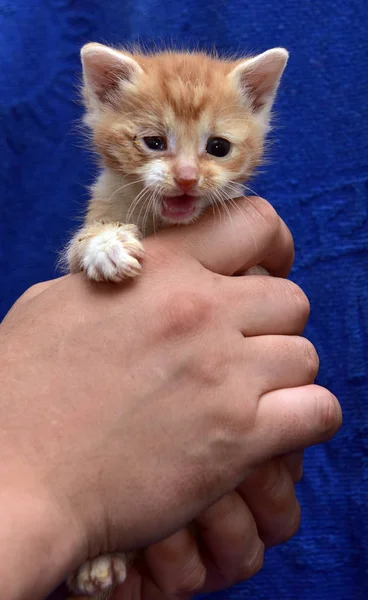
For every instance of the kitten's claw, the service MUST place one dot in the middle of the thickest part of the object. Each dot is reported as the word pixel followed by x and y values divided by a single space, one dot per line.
pixel 98 577
pixel 113 254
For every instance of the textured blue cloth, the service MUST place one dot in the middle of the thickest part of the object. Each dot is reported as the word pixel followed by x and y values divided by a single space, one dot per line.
pixel 317 179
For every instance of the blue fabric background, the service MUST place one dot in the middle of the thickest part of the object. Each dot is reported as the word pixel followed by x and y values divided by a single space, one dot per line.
pixel 317 179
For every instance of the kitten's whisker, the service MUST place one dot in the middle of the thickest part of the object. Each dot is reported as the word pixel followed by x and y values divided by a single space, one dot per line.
pixel 149 210
pixel 232 193
pixel 144 220
pixel 213 210
pixel 252 192
pixel 141 202
pixel 219 211
pixel 146 187
pixel 151 198
pixel 247 188
pixel 213 202
pixel 147 192
pixel 235 185
pixel 154 214
pixel 228 198
pixel 223 201
pixel 236 207
pixel 136 202
pixel 219 202
pixel 122 188
pixel 160 192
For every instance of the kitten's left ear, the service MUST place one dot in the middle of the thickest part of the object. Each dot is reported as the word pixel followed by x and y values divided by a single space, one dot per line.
pixel 257 79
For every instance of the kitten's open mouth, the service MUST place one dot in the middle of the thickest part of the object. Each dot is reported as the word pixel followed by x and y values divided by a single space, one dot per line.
pixel 178 208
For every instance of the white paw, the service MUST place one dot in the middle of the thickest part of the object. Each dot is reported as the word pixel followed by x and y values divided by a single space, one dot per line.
pixel 113 254
pixel 96 577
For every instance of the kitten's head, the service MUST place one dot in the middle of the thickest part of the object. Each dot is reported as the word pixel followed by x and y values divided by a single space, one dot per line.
pixel 189 127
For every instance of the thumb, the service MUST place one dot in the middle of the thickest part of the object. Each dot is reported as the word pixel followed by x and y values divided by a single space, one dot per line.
pixel 292 419
pixel 249 233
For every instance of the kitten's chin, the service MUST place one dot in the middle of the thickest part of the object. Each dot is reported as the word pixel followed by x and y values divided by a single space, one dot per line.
pixel 180 209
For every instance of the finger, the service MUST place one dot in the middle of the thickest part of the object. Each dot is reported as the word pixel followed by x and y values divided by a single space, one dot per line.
pixel 176 565
pixel 292 419
pixel 269 493
pixel 137 586
pixel 249 233
pixel 231 546
pixel 266 305
pixel 294 463
pixel 279 263
pixel 276 361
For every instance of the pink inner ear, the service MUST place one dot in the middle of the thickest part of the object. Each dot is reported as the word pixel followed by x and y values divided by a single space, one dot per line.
pixel 260 84
pixel 261 88
pixel 103 71
pixel 260 78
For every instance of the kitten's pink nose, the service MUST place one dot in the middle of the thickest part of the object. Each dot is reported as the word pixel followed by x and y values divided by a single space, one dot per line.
pixel 186 176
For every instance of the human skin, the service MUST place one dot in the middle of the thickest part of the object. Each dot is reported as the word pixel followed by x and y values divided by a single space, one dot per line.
pixel 128 411
pixel 230 538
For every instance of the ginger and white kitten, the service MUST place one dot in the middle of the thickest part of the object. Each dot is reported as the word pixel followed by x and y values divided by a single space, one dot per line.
pixel 176 133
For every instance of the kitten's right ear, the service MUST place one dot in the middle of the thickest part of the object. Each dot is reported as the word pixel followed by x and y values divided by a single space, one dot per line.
pixel 258 78
pixel 105 71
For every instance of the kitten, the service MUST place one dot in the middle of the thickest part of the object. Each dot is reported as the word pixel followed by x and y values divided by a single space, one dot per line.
pixel 176 133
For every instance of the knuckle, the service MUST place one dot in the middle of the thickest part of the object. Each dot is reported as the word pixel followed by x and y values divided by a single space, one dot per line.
pixel 329 415
pixel 274 479
pixel 253 564
pixel 293 527
pixel 221 511
pixel 300 300
pixel 186 312
pixel 311 359
pixel 294 464
pixel 270 480
pixel 267 213
pixel 211 368
pixel 287 531
pixel 191 580
pixel 298 474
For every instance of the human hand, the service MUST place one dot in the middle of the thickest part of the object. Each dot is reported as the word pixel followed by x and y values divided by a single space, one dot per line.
pixel 184 330
pixel 228 542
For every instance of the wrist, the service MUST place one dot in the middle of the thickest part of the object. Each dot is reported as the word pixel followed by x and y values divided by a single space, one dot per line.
pixel 39 544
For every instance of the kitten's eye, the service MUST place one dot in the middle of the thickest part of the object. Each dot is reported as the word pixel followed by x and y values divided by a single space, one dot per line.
pixel 218 147
pixel 155 142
